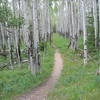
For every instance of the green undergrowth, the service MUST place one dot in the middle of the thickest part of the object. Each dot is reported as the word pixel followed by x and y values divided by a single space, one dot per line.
pixel 3 60
pixel 77 82
pixel 20 80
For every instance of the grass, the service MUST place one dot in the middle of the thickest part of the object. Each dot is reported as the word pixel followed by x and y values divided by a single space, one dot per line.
pixel 77 82
pixel 3 60
pixel 15 82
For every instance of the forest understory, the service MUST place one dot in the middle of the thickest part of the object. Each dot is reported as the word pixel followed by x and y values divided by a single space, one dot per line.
pixel 20 80
pixel 81 83
pixel 77 82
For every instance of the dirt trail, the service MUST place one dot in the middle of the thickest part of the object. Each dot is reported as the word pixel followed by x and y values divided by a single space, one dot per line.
pixel 42 91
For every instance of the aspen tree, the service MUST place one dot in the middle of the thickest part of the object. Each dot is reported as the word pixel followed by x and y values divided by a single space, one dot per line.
pixel 84 33
pixel 35 37
pixel 95 20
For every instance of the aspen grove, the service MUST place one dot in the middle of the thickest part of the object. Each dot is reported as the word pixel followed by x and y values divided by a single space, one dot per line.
pixel 25 22
pixel 80 18
pixel 28 39
pixel 30 23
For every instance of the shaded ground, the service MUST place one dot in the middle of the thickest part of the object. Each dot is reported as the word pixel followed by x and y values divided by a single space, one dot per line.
pixel 42 91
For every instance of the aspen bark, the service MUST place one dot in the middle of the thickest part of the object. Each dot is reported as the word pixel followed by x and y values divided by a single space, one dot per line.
pixel 84 34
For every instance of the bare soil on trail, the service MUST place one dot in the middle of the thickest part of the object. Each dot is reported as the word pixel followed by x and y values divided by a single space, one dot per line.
pixel 41 92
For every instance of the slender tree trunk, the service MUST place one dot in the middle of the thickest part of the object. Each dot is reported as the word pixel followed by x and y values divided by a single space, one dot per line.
pixel 95 20
pixel 10 52
pixel 84 34
pixel 36 58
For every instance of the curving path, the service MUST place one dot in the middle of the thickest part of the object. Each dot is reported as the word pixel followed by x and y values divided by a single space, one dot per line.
pixel 42 91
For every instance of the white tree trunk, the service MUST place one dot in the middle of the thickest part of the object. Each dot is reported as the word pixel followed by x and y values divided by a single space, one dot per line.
pixel 84 34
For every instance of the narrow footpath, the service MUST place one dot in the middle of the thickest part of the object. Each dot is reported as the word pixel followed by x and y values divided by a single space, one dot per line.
pixel 41 92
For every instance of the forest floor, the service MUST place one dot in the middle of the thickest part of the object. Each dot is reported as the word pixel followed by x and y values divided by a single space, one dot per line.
pixel 14 83
pixel 77 82
pixel 42 91
pixel 70 79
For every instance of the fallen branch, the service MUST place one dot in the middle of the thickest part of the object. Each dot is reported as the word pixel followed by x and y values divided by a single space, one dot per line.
pixel 2 66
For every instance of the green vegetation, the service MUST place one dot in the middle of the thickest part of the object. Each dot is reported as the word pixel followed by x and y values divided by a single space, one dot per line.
pixel 14 82
pixel 91 36
pixel 77 82
pixel 3 60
